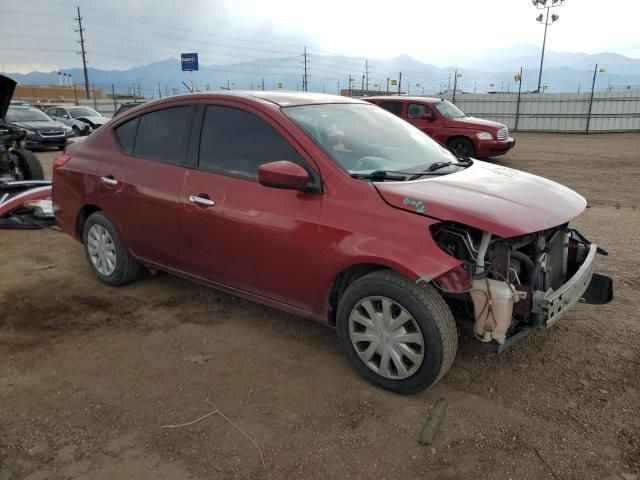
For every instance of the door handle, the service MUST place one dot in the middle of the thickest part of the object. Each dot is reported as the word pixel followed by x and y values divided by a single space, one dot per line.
pixel 112 182
pixel 205 202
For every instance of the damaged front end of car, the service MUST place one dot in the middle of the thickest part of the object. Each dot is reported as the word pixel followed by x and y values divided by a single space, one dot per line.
pixel 513 286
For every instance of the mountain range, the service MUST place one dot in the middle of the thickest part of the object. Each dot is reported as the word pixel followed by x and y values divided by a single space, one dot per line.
pixel 492 71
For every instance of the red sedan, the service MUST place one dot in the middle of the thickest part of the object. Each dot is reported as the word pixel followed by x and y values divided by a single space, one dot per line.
pixel 333 209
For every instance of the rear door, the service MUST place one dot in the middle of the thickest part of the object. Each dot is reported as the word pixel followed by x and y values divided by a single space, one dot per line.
pixel 251 237
pixel 141 181
pixel 397 108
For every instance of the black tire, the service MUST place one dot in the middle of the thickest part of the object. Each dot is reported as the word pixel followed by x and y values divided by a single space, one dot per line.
pixel 126 268
pixel 428 309
pixel 76 131
pixel 29 164
pixel 461 147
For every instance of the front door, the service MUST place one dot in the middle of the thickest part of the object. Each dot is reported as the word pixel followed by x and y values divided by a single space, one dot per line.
pixel 238 232
pixel 421 116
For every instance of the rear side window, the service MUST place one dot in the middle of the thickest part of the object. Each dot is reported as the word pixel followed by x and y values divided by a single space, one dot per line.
pixel 393 107
pixel 161 135
pixel 126 134
pixel 235 142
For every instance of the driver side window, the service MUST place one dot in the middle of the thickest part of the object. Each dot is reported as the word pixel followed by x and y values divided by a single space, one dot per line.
pixel 418 111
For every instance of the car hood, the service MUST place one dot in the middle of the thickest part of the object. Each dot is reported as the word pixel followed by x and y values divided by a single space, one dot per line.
pixel 39 125
pixel 7 86
pixel 93 120
pixel 473 122
pixel 500 200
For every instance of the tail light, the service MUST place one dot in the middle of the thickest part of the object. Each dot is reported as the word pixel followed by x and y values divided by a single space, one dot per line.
pixel 60 161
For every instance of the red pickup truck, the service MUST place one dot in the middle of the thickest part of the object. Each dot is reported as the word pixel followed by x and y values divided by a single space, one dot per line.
pixel 444 122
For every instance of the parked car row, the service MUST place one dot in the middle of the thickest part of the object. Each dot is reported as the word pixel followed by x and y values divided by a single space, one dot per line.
pixel 334 209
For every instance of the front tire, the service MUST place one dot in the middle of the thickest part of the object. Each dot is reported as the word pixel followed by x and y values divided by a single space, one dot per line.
pixel 29 164
pixel 398 335
pixel 461 147
pixel 105 252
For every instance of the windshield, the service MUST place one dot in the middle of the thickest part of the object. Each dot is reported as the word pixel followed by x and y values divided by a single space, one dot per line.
pixel 83 112
pixel 449 110
pixel 365 138
pixel 26 115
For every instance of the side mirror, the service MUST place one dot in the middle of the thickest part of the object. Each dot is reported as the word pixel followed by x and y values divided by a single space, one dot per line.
pixel 65 116
pixel 428 116
pixel 283 174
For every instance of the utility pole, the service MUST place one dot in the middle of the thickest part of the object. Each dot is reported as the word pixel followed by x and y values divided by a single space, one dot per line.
pixel 593 87
pixel 455 86
pixel 133 89
pixel 387 85
pixel 263 84
pixel 362 87
pixel 350 85
pixel 159 91
pixel 519 78
pixel 304 78
pixel 366 73
pixel 449 84
pixel 84 54
pixel 113 97
pixel 400 83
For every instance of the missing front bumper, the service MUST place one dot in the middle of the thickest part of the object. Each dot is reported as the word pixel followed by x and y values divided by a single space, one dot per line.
pixel 584 285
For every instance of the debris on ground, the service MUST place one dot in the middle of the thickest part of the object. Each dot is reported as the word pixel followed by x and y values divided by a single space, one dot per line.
pixel 433 422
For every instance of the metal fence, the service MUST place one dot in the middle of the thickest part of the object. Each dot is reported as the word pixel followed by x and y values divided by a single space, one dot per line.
pixel 615 111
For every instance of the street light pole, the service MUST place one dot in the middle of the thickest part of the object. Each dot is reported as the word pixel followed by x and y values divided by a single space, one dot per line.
pixel 544 44
pixel 542 4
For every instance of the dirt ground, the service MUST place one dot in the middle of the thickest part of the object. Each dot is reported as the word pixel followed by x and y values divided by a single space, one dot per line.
pixel 89 374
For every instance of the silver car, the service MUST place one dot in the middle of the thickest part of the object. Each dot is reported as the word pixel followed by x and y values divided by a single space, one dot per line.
pixel 83 120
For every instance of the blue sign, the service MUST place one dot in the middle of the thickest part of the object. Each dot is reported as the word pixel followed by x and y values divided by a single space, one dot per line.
pixel 189 62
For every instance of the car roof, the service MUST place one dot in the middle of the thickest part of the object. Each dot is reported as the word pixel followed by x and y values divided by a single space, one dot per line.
pixel 279 98
pixel 405 98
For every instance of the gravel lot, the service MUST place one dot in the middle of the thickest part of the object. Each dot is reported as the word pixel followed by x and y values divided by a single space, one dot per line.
pixel 89 374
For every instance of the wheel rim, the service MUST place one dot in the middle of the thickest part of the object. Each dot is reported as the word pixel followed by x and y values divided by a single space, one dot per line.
pixel 461 150
pixel 386 337
pixel 102 250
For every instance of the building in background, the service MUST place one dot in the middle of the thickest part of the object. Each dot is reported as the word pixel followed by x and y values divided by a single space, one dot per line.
pixel 51 94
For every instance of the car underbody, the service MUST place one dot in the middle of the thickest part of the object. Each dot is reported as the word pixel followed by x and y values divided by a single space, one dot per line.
pixel 517 285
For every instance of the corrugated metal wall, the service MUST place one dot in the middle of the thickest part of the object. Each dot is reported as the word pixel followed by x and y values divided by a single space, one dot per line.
pixel 617 111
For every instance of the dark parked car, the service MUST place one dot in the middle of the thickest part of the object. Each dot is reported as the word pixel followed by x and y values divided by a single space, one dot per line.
pixel 465 136
pixel 334 209
pixel 126 106
pixel 83 120
pixel 42 130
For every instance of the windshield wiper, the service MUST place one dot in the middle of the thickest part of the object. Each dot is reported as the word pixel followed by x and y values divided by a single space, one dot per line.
pixel 379 175
pixel 438 166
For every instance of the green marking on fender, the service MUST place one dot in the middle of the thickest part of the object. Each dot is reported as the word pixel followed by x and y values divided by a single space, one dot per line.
pixel 423 279
pixel 415 203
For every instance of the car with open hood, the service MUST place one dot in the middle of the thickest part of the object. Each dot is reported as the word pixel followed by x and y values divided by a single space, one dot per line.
pixel 334 209
pixel 16 163
pixel 443 121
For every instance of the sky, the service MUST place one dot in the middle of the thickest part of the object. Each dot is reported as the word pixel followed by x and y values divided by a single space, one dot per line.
pixel 40 34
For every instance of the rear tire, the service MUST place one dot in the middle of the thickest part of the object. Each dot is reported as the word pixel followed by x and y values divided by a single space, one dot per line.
pixel 105 252
pixel 416 344
pixel 461 147
pixel 29 164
